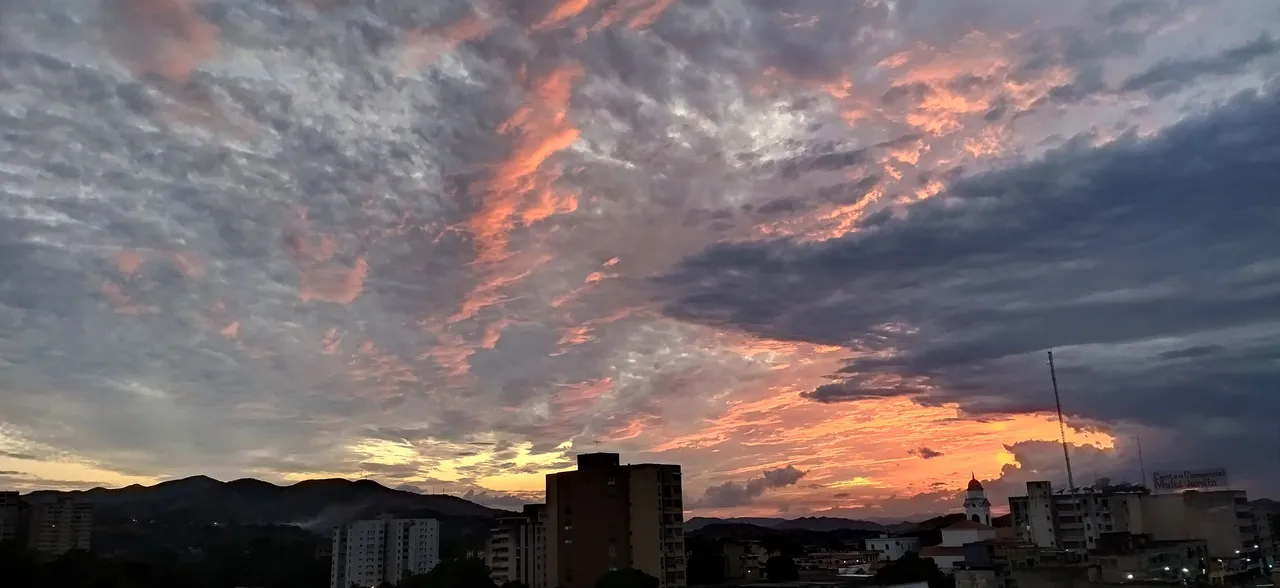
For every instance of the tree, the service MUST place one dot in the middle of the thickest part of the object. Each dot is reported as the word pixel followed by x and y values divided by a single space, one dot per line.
pixel 706 560
pixel 912 568
pixel 781 568
pixel 627 578
pixel 453 573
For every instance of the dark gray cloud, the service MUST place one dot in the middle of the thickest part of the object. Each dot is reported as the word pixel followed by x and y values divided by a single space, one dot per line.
pixel 1174 75
pixel 731 494
pixel 1149 262
pixel 925 453
pixel 15 455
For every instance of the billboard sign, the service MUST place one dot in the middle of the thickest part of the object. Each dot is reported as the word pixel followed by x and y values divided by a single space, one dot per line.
pixel 1210 479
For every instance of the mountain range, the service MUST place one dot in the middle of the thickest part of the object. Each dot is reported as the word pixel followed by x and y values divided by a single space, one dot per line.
pixel 829 524
pixel 318 505
pixel 315 505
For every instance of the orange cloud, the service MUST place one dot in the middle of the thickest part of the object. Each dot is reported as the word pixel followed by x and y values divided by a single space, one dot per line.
pixel 129 262
pixel 379 371
pixel 188 265
pixel 563 11
pixel 639 14
pixel 123 304
pixel 540 128
pixel 164 37
pixel 572 399
pixel 322 278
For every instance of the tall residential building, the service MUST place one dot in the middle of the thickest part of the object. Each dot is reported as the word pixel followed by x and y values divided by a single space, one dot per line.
pixel 10 517
pixel 1058 520
pixel 606 516
pixel 517 548
pixel 60 525
pixel 367 553
pixel 1075 521
pixel 1222 518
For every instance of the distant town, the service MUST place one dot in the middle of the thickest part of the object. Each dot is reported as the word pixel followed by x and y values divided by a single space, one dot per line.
pixel 614 525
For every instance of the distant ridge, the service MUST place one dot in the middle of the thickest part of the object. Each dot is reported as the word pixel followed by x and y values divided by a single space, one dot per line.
pixel 824 524
pixel 827 524
pixel 821 524
pixel 311 504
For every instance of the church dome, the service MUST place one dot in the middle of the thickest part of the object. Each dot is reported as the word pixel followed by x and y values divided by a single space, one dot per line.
pixel 974 484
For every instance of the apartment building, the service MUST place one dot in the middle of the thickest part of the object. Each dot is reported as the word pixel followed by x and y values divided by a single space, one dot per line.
pixel 1075 520
pixel 517 548
pixel 367 553
pixel 60 525
pixel 606 516
pixel 892 547
pixel 11 523
pixel 1222 518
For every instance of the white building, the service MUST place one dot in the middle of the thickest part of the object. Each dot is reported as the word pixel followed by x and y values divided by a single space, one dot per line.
pixel 517 548
pixel 1074 521
pixel 367 553
pixel 892 548
pixel 974 528
pixel 951 551
pixel 976 506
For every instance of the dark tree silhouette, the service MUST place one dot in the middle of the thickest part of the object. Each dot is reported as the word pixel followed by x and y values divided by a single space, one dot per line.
pixel 453 573
pixel 781 568
pixel 913 568
pixel 627 579
pixel 706 560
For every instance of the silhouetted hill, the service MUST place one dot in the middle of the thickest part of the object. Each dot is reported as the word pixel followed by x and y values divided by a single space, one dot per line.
pixel 801 524
pixel 1265 505
pixel 828 524
pixel 735 531
pixel 315 505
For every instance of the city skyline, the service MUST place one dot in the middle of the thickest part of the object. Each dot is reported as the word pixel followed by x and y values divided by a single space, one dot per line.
pixel 815 256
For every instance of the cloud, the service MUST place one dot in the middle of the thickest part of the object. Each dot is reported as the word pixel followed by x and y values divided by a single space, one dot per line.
pixel 1173 75
pixel 14 455
pixel 415 242
pixel 925 453
pixel 731 494
pixel 1123 257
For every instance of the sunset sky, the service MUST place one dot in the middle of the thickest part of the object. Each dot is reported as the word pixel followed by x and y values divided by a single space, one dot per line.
pixel 814 251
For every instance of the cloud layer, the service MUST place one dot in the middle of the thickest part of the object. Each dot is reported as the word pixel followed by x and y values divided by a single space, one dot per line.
pixel 449 245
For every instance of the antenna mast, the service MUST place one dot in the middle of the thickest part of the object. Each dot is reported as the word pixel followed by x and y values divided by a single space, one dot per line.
pixel 1062 427
pixel 1142 466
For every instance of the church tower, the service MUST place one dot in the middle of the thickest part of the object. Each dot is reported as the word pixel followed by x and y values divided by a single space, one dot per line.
pixel 976 506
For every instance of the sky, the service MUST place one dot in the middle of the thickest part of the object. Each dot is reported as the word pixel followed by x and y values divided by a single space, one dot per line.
pixel 813 251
